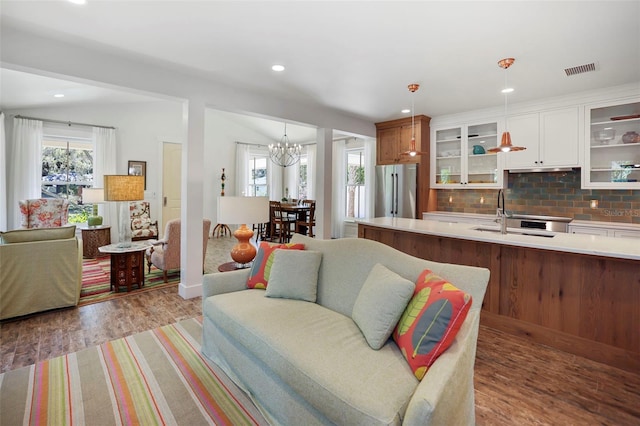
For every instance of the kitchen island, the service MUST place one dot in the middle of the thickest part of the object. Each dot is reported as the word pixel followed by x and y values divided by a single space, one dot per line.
pixel 577 293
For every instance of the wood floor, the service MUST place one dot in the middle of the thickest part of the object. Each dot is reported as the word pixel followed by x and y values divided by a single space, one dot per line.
pixel 517 382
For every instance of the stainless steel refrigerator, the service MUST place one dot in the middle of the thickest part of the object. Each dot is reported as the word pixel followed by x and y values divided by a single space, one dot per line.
pixel 396 190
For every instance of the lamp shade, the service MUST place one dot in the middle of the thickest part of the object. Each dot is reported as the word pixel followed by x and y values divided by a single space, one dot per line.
pixel 243 210
pixel 123 188
pixel 92 195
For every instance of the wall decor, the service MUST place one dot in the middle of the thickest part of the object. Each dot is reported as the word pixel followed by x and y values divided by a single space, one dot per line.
pixel 138 168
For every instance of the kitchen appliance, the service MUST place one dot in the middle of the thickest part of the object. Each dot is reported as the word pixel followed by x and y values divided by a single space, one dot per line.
pixel 396 190
pixel 543 223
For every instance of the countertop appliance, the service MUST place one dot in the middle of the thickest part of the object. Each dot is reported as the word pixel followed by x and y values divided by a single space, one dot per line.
pixel 396 189
pixel 544 223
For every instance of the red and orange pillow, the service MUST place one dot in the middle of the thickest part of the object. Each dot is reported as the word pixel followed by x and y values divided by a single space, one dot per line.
pixel 431 321
pixel 261 268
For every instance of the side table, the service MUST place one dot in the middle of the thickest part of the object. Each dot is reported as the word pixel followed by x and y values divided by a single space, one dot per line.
pixel 94 237
pixel 127 265
pixel 229 266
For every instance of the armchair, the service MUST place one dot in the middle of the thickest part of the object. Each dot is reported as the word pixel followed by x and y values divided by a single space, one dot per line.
pixel 164 254
pixel 43 213
pixel 142 228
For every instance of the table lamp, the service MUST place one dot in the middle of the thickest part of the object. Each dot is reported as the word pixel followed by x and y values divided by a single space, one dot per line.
pixel 243 210
pixel 93 196
pixel 123 188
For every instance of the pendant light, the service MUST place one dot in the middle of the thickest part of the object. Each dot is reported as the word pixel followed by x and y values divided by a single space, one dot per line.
pixel 412 148
pixel 505 142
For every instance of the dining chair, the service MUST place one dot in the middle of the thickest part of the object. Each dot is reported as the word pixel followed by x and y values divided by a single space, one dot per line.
pixel 280 223
pixel 308 221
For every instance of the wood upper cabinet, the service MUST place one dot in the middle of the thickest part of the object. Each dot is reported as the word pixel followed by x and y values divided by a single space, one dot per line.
pixel 394 138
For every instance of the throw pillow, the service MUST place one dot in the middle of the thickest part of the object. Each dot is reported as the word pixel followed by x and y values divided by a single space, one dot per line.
pixel 380 303
pixel 431 321
pixel 38 234
pixel 294 275
pixel 261 268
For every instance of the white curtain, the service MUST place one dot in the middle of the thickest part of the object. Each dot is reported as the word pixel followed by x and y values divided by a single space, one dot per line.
pixel 104 163
pixel 3 176
pixel 276 183
pixel 25 167
pixel 311 171
pixel 291 174
pixel 370 176
pixel 242 162
pixel 339 182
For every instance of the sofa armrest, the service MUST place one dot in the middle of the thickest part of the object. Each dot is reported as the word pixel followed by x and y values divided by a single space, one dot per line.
pixel 446 394
pixel 224 282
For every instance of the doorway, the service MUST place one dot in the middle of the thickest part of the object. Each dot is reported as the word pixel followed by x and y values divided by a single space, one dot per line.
pixel 171 181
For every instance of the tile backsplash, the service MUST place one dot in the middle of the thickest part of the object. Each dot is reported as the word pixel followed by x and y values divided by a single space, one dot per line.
pixel 547 194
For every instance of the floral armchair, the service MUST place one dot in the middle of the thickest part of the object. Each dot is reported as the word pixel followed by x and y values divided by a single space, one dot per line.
pixel 43 213
pixel 164 254
pixel 142 228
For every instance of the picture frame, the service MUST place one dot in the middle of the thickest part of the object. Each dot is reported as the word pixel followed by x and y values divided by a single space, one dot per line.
pixel 138 168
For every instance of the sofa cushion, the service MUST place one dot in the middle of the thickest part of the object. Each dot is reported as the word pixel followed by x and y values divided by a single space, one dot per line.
pixel 319 353
pixel 431 321
pixel 380 303
pixel 38 234
pixel 294 274
pixel 261 268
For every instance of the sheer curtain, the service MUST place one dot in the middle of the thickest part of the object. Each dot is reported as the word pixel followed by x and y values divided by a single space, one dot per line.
pixel 276 183
pixel 242 162
pixel 25 167
pixel 311 171
pixel 339 182
pixel 104 163
pixel 370 176
pixel 3 176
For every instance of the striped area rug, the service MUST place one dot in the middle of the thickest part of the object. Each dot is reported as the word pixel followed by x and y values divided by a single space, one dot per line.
pixel 158 377
pixel 96 277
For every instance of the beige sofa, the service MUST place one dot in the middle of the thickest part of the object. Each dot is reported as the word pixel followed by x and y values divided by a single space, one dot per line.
pixel 308 363
pixel 40 269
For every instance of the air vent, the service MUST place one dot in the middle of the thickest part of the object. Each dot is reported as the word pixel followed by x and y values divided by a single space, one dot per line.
pixel 580 69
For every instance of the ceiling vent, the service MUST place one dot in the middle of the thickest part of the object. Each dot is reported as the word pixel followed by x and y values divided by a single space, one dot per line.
pixel 580 69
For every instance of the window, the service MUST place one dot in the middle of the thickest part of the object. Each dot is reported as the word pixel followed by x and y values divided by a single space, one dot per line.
pixel 257 175
pixel 303 191
pixel 355 190
pixel 67 167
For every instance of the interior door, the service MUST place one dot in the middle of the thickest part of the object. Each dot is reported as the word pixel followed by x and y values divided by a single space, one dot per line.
pixel 171 178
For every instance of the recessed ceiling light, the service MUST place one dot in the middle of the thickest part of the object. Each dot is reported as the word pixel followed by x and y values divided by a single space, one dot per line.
pixel 278 68
pixel 78 1
pixel 58 95
pixel 405 111
pixel 507 90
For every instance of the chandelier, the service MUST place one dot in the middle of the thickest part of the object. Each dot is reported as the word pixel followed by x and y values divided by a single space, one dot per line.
pixel 285 154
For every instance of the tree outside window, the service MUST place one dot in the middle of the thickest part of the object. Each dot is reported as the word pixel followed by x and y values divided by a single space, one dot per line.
pixel 355 191
pixel 67 167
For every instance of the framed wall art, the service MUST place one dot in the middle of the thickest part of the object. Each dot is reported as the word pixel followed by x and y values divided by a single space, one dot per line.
pixel 138 168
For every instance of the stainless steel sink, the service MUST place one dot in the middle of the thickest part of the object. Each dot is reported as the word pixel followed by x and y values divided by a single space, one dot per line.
pixel 517 232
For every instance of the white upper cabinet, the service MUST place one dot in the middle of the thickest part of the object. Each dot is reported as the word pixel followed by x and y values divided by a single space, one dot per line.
pixel 459 156
pixel 612 152
pixel 551 138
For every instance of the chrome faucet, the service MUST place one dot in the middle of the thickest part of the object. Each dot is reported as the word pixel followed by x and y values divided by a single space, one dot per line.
pixel 501 212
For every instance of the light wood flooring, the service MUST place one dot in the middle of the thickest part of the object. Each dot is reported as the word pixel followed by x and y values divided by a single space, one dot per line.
pixel 517 382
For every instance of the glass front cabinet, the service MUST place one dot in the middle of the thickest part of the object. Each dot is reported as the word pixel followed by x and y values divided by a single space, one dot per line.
pixel 612 155
pixel 460 159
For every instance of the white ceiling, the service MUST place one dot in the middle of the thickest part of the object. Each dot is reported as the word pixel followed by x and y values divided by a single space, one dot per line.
pixel 354 56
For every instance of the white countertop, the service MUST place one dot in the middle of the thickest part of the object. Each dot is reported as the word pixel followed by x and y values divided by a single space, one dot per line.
pixel 624 248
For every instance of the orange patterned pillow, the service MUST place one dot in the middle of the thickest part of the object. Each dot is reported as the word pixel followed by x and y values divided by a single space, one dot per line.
pixel 431 321
pixel 261 268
